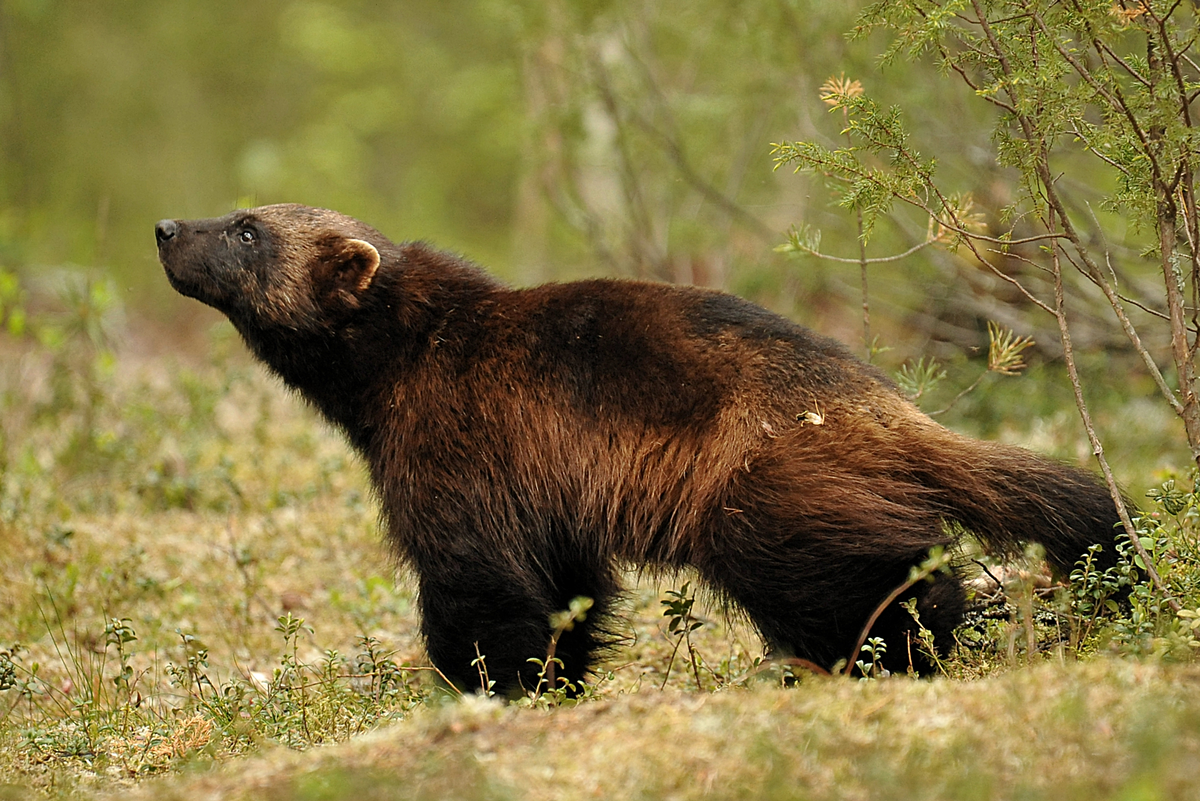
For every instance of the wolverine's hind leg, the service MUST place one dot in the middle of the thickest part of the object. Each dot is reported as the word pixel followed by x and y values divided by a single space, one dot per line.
pixel 822 618
pixel 815 606
pixel 812 550
pixel 941 604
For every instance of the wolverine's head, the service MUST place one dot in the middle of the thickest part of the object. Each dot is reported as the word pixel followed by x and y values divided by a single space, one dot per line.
pixel 285 265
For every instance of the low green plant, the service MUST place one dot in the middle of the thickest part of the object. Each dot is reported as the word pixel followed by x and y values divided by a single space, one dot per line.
pixel 937 561
pixel 924 642
pixel 1091 594
pixel 1119 608
pixel 680 625
pixel 141 728
pixel 550 689
pixel 1099 611
pixel 486 684
pixel 874 648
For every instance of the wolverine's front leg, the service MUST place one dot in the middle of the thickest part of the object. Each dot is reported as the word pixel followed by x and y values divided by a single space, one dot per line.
pixel 492 606
pixel 470 613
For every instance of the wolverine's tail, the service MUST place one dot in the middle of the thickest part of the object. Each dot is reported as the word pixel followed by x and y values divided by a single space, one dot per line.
pixel 1008 497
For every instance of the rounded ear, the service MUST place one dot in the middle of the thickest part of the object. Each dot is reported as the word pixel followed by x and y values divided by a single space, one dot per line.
pixel 358 262
pixel 344 268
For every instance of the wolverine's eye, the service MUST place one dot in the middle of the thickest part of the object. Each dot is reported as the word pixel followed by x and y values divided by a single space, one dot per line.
pixel 247 237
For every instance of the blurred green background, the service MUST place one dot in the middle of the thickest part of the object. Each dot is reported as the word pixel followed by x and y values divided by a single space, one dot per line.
pixel 543 139
pixel 546 140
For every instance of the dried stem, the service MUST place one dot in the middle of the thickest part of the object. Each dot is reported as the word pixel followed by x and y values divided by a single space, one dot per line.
pixel 1064 330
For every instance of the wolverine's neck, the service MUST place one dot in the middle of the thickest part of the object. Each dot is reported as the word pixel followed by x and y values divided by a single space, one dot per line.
pixel 425 311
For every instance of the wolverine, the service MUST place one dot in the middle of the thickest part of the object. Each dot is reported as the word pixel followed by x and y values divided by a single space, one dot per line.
pixel 528 445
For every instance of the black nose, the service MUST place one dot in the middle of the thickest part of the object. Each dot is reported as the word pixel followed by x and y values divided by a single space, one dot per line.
pixel 165 229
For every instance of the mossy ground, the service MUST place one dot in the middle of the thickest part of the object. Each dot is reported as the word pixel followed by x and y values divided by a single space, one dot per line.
pixel 1109 729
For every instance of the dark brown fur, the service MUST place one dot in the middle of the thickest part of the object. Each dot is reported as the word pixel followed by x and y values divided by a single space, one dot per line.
pixel 526 443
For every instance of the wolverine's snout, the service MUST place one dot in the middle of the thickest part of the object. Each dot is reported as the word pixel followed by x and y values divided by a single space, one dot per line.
pixel 189 276
pixel 165 230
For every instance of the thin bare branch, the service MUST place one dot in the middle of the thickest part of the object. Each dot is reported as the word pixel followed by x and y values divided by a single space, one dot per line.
pixel 1127 326
pixel 1140 305
pixel 1114 490
pixel 872 260
pixel 646 253
pixel 989 97
pixel 1191 63
pixel 960 395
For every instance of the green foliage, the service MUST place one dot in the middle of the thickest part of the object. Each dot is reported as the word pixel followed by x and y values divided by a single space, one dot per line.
pixel 1093 90
pixel 870 189
pixel 1004 349
pixel 1116 611
pixel 1004 358
pixel 917 379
